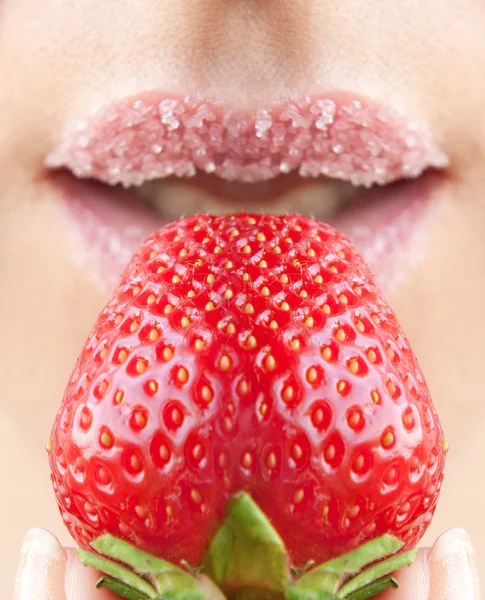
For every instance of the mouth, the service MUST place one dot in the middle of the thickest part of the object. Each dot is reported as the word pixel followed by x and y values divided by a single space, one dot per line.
pixel 137 164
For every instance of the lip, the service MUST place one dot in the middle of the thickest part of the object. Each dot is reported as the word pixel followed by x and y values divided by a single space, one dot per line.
pixel 388 227
pixel 338 135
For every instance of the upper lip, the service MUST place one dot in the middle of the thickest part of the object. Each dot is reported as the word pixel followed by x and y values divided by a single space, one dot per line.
pixel 338 135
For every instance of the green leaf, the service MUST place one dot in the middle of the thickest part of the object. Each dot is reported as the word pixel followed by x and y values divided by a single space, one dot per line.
pixel 182 595
pixel 253 594
pixel 176 581
pixel 377 571
pixel 120 588
pixel 294 593
pixel 116 571
pixel 164 575
pixel 318 579
pixel 374 588
pixel 329 575
pixel 247 553
pixel 332 577
pixel 139 561
pixel 355 561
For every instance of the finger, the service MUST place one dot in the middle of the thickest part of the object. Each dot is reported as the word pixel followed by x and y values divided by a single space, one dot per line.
pixel 41 569
pixel 47 572
pixel 447 571
pixel 453 573
pixel 80 581
pixel 413 581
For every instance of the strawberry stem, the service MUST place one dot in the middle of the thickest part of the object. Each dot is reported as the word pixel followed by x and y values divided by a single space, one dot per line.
pixel 247 552
pixel 248 560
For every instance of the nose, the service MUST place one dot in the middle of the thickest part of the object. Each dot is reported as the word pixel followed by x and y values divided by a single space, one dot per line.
pixel 249 42
pixel 266 49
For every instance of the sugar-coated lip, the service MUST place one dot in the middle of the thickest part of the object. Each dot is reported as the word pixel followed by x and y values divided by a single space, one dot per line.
pixel 339 135
pixel 389 227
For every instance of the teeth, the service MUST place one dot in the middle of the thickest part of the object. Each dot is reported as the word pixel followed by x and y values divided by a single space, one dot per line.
pixel 320 199
pixel 174 199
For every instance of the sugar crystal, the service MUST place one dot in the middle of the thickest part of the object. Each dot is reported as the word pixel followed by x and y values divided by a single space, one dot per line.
pixel 356 140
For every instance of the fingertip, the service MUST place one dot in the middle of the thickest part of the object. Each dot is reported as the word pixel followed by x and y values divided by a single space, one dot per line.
pixel 453 568
pixel 41 569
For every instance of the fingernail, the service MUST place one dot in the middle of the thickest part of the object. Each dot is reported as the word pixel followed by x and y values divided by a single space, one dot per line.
pixel 452 568
pixel 40 573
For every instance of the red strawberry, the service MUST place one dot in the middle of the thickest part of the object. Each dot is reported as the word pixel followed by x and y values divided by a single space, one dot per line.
pixel 247 353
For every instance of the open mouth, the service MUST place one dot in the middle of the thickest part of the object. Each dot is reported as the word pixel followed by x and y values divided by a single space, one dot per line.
pixel 141 162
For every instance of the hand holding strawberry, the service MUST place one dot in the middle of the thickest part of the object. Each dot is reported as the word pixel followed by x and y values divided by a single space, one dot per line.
pixel 48 572
pixel 247 403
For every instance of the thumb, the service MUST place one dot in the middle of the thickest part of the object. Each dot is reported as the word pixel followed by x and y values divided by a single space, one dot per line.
pixel 41 568
pixel 48 572
pixel 447 571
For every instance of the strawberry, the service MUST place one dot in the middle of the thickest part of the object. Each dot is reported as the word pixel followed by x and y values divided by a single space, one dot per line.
pixel 247 365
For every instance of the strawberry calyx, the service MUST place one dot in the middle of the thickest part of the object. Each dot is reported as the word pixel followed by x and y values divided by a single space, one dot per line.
pixel 247 552
pixel 148 577
pixel 247 560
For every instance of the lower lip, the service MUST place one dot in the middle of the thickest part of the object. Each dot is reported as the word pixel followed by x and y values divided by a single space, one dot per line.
pixel 388 227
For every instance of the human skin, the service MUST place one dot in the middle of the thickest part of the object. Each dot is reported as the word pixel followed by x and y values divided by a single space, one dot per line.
pixel 46 571
pixel 58 60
